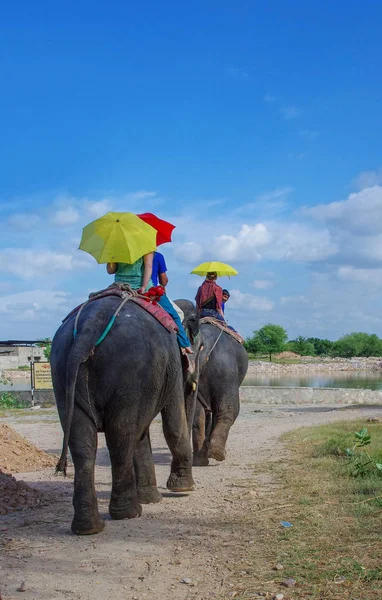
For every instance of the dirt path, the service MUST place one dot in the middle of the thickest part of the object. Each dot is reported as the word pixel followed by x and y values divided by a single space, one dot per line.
pixel 188 547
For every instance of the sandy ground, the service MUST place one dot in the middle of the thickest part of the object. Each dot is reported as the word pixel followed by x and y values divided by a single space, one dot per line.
pixel 188 547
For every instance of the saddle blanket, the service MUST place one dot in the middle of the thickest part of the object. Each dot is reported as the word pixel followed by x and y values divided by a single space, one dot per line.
pixel 212 321
pixel 154 309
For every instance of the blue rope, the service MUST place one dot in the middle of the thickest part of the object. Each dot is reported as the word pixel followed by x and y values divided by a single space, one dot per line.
pixel 109 326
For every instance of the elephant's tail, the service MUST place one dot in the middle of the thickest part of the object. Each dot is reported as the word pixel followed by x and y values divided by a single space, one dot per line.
pixel 77 355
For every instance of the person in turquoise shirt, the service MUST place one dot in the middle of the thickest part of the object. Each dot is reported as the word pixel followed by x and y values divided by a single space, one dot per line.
pixel 138 276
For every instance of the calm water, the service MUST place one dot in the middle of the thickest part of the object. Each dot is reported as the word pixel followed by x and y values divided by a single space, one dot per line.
pixel 369 380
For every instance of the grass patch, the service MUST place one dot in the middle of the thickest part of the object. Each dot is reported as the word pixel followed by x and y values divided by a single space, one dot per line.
pixel 334 548
pixel 9 400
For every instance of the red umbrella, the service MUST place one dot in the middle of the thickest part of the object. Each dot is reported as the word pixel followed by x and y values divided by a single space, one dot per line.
pixel 164 228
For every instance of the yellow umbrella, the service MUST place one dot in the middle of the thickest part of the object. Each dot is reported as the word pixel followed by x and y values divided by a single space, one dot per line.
pixel 218 267
pixel 118 237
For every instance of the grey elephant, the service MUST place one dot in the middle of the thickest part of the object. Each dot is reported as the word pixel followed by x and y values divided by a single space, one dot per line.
pixel 118 388
pixel 223 364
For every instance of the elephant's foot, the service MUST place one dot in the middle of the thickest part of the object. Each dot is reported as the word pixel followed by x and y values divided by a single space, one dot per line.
pixel 216 451
pixel 119 511
pixel 149 495
pixel 180 483
pixel 200 460
pixel 87 527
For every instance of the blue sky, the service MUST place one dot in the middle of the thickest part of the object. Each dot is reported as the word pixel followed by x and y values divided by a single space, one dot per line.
pixel 255 127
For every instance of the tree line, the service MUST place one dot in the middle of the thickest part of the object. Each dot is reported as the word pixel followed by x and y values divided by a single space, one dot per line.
pixel 271 339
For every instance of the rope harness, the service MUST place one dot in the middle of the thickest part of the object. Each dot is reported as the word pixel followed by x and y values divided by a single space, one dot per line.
pixel 130 293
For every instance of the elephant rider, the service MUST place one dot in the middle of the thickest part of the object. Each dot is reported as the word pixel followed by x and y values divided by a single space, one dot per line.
pixel 226 297
pixel 159 277
pixel 209 298
pixel 138 276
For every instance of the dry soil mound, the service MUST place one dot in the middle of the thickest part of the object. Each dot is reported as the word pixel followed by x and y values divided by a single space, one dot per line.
pixel 287 354
pixel 16 495
pixel 17 455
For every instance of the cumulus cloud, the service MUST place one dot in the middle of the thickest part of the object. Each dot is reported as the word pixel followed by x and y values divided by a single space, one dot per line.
pixel 367 276
pixel 97 209
pixel 245 244
pixel 24 221
pixel 238 300
pixel 29 264
pixel 368 179
pixel 34 304
pixel 189 252
pixel 360 213
pixel 262 284
pixel 67 216
pixel 285 300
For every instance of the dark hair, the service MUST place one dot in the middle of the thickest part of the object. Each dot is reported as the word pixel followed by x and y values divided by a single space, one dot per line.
pixel 226 292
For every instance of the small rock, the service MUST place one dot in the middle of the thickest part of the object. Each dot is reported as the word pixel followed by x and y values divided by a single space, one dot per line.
pixel 278 567
pixel 22 587
pixel 278 597
pixel 186 580
pixel 374 420
pixel 290 582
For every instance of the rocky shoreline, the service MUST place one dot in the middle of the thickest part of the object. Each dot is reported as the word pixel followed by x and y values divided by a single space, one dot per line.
pixel 315 365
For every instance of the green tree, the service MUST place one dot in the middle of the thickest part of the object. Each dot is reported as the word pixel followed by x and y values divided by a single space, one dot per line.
pixel 357 344
pixel 46 344
pixel 321 347
pixel 302 346
pixel 270 339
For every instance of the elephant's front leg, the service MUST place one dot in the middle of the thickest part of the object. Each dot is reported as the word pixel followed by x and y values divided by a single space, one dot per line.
pixel 124 502
pixel 177 436
pixel 225 414
pixel 83 448
pixel 145 472
pixel 199 441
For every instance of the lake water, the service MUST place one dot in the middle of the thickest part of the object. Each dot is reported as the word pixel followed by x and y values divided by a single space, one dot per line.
pixel 369 380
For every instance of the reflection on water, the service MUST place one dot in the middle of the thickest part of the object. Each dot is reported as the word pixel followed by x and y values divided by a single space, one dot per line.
pixel 18 386
pixel 369 380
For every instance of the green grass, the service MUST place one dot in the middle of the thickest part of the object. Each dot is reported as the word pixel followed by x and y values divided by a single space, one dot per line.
pixel 334 548
pixel 9 400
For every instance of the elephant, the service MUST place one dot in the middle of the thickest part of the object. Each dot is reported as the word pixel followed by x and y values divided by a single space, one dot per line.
pixel 223 364
pixel 118 388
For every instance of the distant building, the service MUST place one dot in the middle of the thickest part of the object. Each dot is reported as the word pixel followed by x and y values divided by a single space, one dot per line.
pixel 13 357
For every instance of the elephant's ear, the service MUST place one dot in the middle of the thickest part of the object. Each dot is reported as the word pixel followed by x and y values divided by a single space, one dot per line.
pixel 191 325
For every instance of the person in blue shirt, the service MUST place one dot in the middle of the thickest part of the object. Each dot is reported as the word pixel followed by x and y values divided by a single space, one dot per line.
pixel 226 296
pixel 158 275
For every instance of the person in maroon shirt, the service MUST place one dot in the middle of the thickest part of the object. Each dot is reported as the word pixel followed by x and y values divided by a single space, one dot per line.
pixel 209 298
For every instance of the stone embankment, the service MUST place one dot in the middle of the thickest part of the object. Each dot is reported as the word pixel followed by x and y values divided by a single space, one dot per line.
pixel 314 365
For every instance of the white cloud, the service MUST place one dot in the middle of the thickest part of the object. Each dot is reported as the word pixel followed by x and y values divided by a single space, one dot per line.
pixel 24 221
pixel 290 112
pixel 249 302
pixel 246 242
pixel 33 304
pixel 97 209
pixel 367 276
pixel 189 252
pixel 262 284
pixel 29 264
pixel 368 179
pixel 67 216
pixel 361 212
pixel 141 195
pixel 285 300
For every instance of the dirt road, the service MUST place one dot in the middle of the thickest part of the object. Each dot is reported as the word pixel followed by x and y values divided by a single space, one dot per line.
pixel 189 547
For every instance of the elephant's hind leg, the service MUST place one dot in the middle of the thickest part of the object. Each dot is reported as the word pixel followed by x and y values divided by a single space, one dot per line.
pixel 147 490
pixel 124 502
pixel 199 441
pixel 83 448
pixel 176 432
